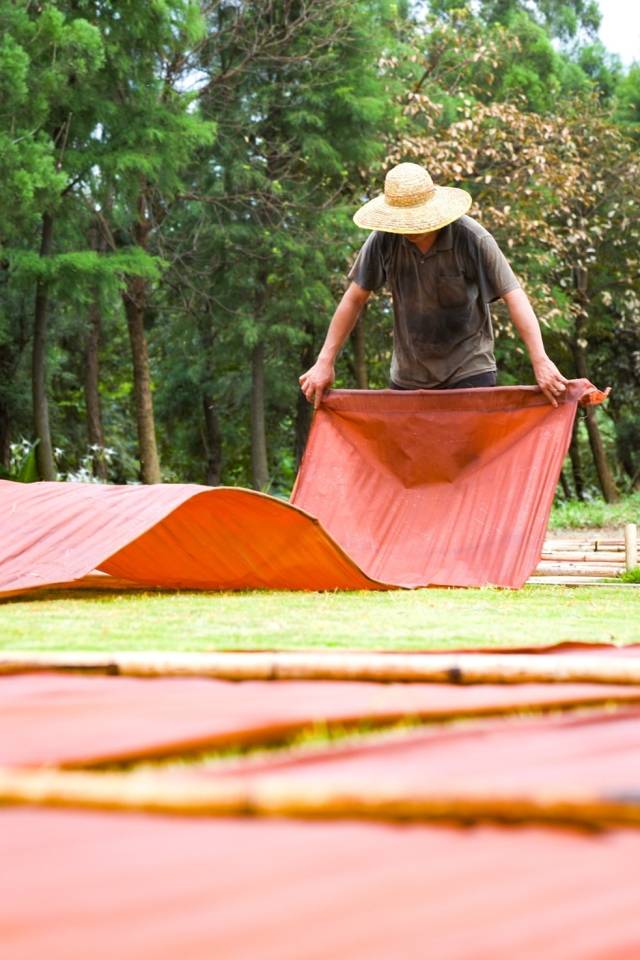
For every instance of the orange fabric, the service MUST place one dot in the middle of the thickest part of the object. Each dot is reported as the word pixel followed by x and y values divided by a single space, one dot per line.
pixel 411 489
pixel 80 885
pixel 172 535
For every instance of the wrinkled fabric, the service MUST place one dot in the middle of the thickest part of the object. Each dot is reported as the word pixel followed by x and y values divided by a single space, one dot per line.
pixel 396 489
pixel 449 488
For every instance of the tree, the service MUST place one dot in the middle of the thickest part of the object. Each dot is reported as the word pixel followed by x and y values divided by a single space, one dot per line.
pixel 147 138
pixel 213 262
pixel 563 19
pixel 300 102
pixel 557 190
pixel 47 64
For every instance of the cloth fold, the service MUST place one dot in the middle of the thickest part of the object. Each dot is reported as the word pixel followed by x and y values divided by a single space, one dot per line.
pixel 409 489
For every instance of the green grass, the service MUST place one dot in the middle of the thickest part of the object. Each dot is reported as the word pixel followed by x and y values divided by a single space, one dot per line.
pixel 269 620
pixel 631 576
pixel 595 513
pixel 306 738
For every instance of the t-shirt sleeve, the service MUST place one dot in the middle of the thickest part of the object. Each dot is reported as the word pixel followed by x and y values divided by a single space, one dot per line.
pixel 495 276
pixel 369 271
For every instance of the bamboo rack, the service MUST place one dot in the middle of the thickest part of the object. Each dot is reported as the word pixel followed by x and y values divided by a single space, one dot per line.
pixel 590 558
pixel 464 668
pixel 273 796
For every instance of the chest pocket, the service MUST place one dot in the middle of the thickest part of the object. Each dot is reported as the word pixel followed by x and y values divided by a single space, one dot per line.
pixel 453 290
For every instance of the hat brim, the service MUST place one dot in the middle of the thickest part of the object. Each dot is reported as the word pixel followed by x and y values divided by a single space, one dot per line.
pixel 443 207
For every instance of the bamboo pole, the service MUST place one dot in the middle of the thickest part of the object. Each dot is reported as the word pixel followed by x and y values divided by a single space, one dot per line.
pixel 612 546
pixel 577 569
pixel 376 667
pixel 541 579
pixel 274 796
pixel 630 546
pixel 582 556
pixel 596 545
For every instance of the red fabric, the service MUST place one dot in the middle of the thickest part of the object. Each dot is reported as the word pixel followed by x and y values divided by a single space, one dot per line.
pixel 450 488
pixel 79 885
pixel 411 489
pixel 69 719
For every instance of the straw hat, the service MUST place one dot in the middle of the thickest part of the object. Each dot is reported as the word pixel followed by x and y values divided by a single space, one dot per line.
pixel 411 203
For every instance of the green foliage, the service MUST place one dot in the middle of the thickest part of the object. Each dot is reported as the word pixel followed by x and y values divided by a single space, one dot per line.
pixel 82 268
pixel 25 469
pixel 627 94
pixel 48 63
pixel 561 18
pixel 594 513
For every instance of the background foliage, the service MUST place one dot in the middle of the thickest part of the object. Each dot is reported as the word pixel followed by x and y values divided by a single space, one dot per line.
pixel 179 178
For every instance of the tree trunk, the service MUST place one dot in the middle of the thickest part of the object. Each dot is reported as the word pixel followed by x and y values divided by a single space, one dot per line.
pixel 576 463
pixel 566 492
pixel 5 436
pixel 359 352
pixel 259 462
pixel 95 435
pixel 212 441
pixel 211 432
pixel 44 450
pixel 605 477
pixel 134 298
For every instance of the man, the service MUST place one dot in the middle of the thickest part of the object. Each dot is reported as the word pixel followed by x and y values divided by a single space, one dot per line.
pixel 443 270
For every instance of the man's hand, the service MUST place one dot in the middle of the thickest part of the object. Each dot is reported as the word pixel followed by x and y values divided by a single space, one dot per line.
pixel 549 379
pixel 547 375
pixel 321 375
pixel 316 380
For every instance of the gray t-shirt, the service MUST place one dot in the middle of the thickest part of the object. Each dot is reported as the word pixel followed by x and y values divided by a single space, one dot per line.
pixel 442 323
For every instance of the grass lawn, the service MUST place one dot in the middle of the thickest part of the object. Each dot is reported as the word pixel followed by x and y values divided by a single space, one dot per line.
pixel 267 620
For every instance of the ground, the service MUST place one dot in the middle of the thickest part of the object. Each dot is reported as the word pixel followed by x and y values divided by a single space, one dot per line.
pixel 399 619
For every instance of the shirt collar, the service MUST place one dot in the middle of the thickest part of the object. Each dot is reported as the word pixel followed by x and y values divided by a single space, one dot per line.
pixel 444 242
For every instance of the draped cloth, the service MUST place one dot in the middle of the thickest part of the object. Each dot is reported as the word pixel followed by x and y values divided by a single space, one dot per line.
pixel 396 489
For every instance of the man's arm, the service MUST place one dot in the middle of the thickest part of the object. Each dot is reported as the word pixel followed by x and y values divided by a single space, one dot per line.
pixel 321 375
pixel 547 375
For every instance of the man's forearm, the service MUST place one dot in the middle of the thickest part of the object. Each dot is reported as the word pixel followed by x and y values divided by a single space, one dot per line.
pixel 342 323
pixel 526 323
pixel 547 375
pixel 316 381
